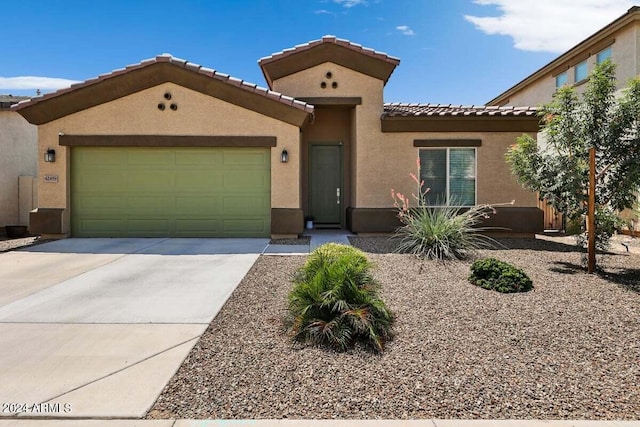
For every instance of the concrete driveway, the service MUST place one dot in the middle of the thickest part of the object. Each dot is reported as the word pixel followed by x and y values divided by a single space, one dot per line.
pixel 97 327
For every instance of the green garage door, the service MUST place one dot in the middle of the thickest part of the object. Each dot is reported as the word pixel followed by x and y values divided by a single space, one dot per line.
pixel 170 192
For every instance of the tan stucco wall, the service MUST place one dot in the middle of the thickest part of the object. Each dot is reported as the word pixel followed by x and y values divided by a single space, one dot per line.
pixel 197 114
pixel 383 161
pixel 18 151
pixel 389 160
pixel 625 52
pixel 365 119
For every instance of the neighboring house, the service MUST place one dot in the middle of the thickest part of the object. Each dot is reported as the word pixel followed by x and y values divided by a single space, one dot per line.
pixel 18 164
pixel 169 148
pixel 620 41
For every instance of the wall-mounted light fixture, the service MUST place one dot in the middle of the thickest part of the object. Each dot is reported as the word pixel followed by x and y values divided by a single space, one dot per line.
pixel 50 155
pixel 284 157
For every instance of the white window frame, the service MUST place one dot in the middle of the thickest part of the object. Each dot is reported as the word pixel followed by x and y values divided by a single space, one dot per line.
pixel 448 177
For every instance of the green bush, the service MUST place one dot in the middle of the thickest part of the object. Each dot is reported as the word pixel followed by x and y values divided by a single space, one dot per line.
pixel 334 301
pixel 490 273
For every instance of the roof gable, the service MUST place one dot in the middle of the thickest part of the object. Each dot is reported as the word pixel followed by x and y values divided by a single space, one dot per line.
pixel 328 49
pixel 152 72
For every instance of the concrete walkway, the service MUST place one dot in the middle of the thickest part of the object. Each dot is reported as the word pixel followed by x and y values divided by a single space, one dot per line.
pixel 318 237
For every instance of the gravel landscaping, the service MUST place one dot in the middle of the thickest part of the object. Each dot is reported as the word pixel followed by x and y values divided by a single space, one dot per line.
pixel 569 349
pixel 11 244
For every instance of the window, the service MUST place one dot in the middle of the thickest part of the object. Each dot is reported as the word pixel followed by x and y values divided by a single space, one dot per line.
pixel 450 175
pixel 561 80
pixel 603 55
pixel 581 71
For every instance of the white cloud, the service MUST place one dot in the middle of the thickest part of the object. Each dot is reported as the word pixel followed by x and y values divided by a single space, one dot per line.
pixel 548 25
pixel 404 29
pixel 33 82
pixel 322 12
pixel 350 3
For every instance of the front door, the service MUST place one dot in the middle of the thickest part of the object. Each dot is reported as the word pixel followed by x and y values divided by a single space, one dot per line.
pixel 325 183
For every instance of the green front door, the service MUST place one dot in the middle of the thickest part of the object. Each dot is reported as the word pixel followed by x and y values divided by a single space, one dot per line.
pixel 325 183
pixel 170 192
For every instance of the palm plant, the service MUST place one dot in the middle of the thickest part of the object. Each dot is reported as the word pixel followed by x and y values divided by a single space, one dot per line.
pixel 335 302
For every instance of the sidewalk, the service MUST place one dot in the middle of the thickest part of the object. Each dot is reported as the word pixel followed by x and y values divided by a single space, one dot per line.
pixel 315 423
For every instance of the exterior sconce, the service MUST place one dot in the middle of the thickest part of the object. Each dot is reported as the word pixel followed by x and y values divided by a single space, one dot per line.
pixel 50 155
pixel 284 157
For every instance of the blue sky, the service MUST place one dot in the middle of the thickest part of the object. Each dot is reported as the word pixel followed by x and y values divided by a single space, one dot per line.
pixel 451 51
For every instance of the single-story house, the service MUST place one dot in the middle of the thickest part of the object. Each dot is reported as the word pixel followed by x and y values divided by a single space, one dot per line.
pixel 166 147
pixel 18 164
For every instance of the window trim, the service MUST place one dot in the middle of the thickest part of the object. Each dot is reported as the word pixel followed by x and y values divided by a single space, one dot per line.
pixel 448 177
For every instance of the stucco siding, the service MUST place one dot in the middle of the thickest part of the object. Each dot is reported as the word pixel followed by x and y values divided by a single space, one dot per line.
pixel 393 157
pixel 18 151
pixel 624 52
pixel 383 161
pixel 197 115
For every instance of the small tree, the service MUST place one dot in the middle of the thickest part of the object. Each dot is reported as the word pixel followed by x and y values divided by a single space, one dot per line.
pixel 559 168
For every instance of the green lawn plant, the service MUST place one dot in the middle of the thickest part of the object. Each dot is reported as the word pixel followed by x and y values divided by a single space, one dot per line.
pixel 444 232
pixel 335 303
pixel 490 273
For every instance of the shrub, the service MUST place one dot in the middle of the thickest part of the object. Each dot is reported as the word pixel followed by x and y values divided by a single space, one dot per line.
pixel 443 232
pixel 490 273
pixel 334 301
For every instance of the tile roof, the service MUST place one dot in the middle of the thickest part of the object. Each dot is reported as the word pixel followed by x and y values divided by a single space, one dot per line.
pixel 168 58
pixel 6 101
pixel 329 39
pixel 422 110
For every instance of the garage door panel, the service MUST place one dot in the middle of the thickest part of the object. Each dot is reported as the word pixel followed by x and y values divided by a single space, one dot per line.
pixel 154 158
pixel 247 180
pixel 101 181
pixel 187 192
pixel 149 226
pixel 244 226
pixel 240 206
pixel 234 157
pixel 189 227
pixel 101 157
pixel 205 159
pixel 149 206
pixel 153 180
pixel 105 227
pixel 199 204
pixel 101 202
pixel 198 179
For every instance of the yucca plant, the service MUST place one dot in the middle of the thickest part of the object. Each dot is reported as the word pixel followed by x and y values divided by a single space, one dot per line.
pixel 334 301
pixel 440 232
pixel 444 232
